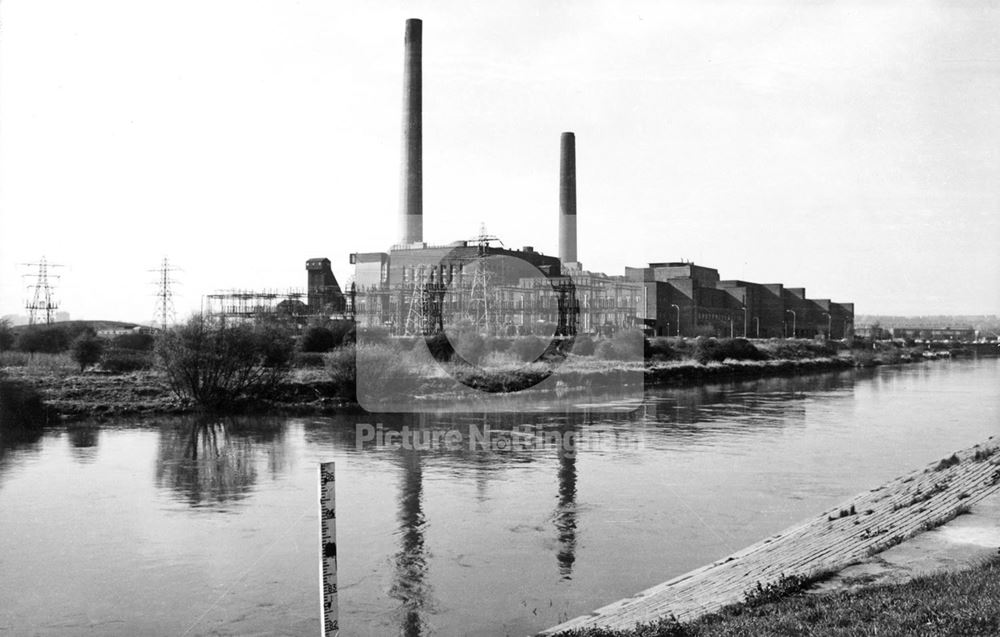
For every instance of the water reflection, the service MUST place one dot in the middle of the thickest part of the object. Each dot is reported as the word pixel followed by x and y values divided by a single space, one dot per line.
pixel 16 440
pixel 755 404
pixel 410 585
pixel 83 441
pixel 22 418
pixel 565 514
pixel 214 460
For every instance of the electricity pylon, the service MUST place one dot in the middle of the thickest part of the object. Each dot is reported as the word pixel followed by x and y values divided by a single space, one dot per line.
pixel 40 299
pixel 164 312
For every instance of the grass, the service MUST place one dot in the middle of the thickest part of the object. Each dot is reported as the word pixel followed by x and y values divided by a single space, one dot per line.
pixel 947 462
pixel 960 603
pixel 61 362
pixel 983 454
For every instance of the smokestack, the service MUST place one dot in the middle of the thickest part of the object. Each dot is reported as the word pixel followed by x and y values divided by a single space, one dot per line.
pixel 411 207
pixel 567 199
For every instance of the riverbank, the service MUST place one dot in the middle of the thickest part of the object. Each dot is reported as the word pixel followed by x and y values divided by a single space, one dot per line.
pixel 315 390
pixel 965 602
pixel 76 396
pixel 785 563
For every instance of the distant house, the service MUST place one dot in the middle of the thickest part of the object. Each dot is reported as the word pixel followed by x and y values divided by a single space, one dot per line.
pixel 958 334
pixel 124 329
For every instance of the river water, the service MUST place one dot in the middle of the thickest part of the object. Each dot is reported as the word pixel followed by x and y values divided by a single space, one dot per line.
pixel 208 526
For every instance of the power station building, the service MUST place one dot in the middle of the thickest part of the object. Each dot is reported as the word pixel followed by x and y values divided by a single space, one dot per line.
pixel 417 287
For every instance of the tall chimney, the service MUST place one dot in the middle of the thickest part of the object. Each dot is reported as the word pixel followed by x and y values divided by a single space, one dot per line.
pixel 567 199
pixel 411 207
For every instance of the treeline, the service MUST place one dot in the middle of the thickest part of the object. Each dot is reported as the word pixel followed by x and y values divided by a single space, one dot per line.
pixel 118 354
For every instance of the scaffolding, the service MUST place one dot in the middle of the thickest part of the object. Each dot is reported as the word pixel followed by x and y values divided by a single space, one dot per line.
pixel 257 304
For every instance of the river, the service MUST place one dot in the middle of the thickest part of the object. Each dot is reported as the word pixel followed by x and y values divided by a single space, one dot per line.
pixel 208 526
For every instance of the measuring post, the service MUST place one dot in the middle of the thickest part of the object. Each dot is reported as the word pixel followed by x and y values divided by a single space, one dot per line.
pixel 328 550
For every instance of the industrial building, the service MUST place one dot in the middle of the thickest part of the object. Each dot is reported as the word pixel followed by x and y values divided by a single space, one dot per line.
pixel 688 300
pixel 417 287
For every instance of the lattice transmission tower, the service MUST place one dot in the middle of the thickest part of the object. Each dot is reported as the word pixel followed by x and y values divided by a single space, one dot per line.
pixel 164 283
pixel 41 292
pixel 484 299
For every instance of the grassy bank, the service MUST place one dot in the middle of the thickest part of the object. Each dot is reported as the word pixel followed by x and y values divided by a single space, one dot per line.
pixel 960 603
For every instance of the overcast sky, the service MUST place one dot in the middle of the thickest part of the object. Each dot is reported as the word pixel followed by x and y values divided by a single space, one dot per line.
pixel 850 148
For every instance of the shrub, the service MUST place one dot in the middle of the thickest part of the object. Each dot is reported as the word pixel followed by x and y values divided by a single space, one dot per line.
pixel 135 341
pixel 528 348
pixel 500 360
pixel 660 349
pixel 583 345
pixel 7 338
pixel 309 359
pixel 797 349
pixel 712 349
pixel 215 364
pixel 123 361
pixel 889 356
pixel 372 335
pixel 343 332
pixel 406 342
pixel 864 358
pixel 470 345
pixel 14 359
pixel 951 461
pixel 50 340
pixel 317 339
pixel 705 331
pixel 22 410
pixel 494 344
pixel 86 350
pixel 623 346
pixel 381 372
pixel 341 366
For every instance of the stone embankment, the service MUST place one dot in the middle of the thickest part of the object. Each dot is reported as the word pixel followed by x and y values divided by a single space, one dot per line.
pixel 847 534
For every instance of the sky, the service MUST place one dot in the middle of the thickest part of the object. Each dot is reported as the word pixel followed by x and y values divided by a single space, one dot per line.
pixel 849 148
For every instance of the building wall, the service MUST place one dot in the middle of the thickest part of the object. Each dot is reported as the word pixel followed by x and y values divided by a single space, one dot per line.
pixel 796 325
pixel 452 262
pixel 843 319
pixel 653 297
pixel 771 315
pixel 707 277
pixel 371 270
